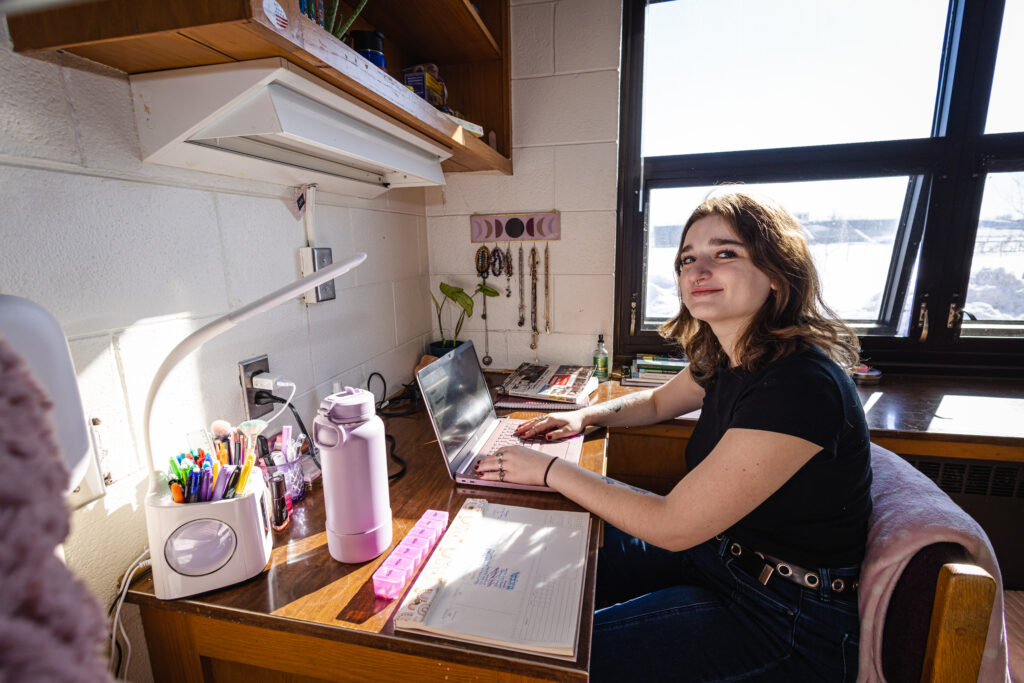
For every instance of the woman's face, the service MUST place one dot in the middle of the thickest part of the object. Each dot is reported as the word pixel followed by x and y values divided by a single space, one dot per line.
pixel 719 283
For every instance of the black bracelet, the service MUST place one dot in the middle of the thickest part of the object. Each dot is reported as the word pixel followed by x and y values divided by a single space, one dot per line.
pixel 550 463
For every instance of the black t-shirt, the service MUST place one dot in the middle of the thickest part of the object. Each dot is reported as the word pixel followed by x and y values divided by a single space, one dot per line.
pixel 819 518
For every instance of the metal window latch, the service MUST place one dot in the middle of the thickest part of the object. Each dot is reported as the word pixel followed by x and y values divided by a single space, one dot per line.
pixel 956 315
pixel 955 312
pixel 922 320
pixel 632 315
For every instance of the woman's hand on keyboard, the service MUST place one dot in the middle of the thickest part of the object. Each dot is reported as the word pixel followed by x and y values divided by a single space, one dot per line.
pixel 514 464
pixel 552 426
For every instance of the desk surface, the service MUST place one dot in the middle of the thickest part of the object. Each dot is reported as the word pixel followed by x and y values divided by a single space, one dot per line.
pixel 930 408
pixel 306 592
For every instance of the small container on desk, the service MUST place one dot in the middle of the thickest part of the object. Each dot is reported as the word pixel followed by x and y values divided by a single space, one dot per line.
pixel 292 472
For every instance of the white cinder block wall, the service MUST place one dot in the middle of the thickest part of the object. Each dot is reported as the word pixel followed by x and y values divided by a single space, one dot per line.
pixel 565 102
pixel 132 257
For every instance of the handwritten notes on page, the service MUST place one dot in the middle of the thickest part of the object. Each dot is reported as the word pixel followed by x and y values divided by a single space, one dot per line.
pixel 505 576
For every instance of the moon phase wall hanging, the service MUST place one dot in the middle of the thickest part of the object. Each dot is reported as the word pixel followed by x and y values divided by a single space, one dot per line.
pixel 515 227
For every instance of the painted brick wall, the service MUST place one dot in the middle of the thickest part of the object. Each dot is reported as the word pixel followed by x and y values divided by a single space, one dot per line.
pixel 565 102
pixel 132 257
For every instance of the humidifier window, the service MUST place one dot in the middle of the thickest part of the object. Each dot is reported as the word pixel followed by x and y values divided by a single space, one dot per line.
pixel 200 547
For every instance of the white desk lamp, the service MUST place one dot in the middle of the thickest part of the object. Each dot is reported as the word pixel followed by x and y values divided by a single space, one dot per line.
pixel 37 336
pixel 198 547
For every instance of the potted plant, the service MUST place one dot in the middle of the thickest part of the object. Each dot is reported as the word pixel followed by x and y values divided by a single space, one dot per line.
pixel 464 300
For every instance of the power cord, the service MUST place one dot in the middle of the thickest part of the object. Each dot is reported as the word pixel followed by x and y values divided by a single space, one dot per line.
pixel 264 397
pixel 126 581
pixel 263 382
pixel 410 392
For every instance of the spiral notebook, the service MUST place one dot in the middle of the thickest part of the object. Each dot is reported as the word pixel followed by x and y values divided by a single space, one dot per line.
pixel 506 576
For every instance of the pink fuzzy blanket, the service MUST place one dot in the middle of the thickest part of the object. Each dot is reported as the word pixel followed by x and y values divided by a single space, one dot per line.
pixel 911 512
pixel 51 627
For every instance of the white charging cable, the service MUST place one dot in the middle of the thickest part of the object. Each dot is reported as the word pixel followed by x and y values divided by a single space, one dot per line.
pixel 115 624
pixel 264 382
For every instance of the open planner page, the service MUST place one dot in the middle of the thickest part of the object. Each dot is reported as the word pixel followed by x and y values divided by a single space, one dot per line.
pixel 507 576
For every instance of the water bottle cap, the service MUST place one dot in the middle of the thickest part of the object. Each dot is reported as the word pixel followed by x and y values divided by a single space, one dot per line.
pixel 351 404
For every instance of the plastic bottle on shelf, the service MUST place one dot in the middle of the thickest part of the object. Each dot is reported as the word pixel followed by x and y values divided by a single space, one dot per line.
pixel 601 359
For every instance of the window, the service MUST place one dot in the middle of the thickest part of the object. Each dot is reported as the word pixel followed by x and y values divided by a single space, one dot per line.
pixel 893 131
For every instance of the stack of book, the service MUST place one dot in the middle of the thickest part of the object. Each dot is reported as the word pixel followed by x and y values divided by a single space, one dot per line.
pixel 648 370
pixel 538 386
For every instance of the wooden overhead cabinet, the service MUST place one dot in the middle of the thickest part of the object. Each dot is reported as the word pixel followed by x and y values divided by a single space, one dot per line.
pixel 469 42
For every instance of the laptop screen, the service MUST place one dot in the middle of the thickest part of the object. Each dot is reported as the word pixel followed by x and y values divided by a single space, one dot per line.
pixel 457 397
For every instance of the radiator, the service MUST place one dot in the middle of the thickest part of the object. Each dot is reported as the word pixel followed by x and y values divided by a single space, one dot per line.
pixel 991 492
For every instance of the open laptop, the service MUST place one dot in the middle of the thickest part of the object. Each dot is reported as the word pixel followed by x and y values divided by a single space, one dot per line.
pixel 460 407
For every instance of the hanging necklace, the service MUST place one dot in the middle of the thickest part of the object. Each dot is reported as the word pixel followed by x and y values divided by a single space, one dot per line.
pixel 547 291
pixel 497 261
pixel 483 267
pixel 533 296
pixel 522 306
pixel 508 271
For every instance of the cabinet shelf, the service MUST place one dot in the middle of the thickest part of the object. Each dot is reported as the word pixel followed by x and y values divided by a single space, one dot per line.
pixel 470 46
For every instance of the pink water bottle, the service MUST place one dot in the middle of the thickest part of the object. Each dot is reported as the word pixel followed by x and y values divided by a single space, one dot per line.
pixel 357 502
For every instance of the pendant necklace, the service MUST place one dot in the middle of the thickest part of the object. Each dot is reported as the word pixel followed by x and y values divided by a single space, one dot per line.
pixel 533 296
pixel 483 267
pixel 522 306
pixel 547 291
pixel 508 272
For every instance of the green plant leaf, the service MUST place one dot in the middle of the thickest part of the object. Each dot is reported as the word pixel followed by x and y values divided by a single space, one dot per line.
pixel 464 300
pixel 450 291
pixel 486 289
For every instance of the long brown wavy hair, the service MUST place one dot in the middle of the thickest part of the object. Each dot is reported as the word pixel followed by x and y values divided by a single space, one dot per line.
pixel 792 318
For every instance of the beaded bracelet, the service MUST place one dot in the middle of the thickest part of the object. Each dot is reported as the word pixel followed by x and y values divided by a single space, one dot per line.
pixel 550 463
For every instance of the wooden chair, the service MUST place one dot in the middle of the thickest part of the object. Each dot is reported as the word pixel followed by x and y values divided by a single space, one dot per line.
pixel 938 618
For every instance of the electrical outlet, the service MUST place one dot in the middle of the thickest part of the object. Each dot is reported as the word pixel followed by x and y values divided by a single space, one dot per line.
pixel 246 370
pixel 313 259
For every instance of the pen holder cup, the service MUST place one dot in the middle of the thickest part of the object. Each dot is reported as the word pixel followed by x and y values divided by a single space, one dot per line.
pixel 292 472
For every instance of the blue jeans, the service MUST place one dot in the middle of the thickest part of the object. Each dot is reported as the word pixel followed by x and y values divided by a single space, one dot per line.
pixel 696 616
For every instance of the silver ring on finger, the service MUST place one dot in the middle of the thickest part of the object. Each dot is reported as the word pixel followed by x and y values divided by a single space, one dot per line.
pixel 500 456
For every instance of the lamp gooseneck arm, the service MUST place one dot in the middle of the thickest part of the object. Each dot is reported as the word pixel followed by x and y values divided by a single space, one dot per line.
pixel 225 322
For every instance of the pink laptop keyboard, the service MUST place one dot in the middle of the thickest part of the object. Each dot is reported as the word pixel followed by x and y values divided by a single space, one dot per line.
pixel 504 435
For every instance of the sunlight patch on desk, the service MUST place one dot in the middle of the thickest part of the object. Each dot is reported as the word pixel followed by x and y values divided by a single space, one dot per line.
pixel 872 400
pixel 297 549
pixel 981 415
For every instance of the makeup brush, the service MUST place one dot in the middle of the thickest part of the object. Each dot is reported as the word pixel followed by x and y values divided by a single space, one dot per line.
pixel 221 429
pixel 251 429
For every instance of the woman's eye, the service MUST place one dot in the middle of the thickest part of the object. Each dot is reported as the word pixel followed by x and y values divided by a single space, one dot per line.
pixel 726 253
pixel 686 260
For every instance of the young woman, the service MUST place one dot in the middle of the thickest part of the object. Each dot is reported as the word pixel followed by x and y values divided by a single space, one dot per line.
pixel 747 569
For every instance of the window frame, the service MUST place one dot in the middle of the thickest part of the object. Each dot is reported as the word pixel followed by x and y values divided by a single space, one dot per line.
pixel 947 172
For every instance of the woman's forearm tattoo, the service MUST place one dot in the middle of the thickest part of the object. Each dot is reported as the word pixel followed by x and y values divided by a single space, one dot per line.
pixel 616 405
pixel 614 482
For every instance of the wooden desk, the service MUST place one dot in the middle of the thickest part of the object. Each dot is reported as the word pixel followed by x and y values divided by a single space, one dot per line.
pixel 310 617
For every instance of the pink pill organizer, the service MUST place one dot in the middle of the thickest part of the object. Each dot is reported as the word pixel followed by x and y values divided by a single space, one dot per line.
pixel 392 575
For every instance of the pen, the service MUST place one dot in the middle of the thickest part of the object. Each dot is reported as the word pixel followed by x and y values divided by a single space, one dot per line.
pixel 173 470
pixel 221 485
pixel 206 484
pixel 229 489
pixel 243 479
pixel 176 494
